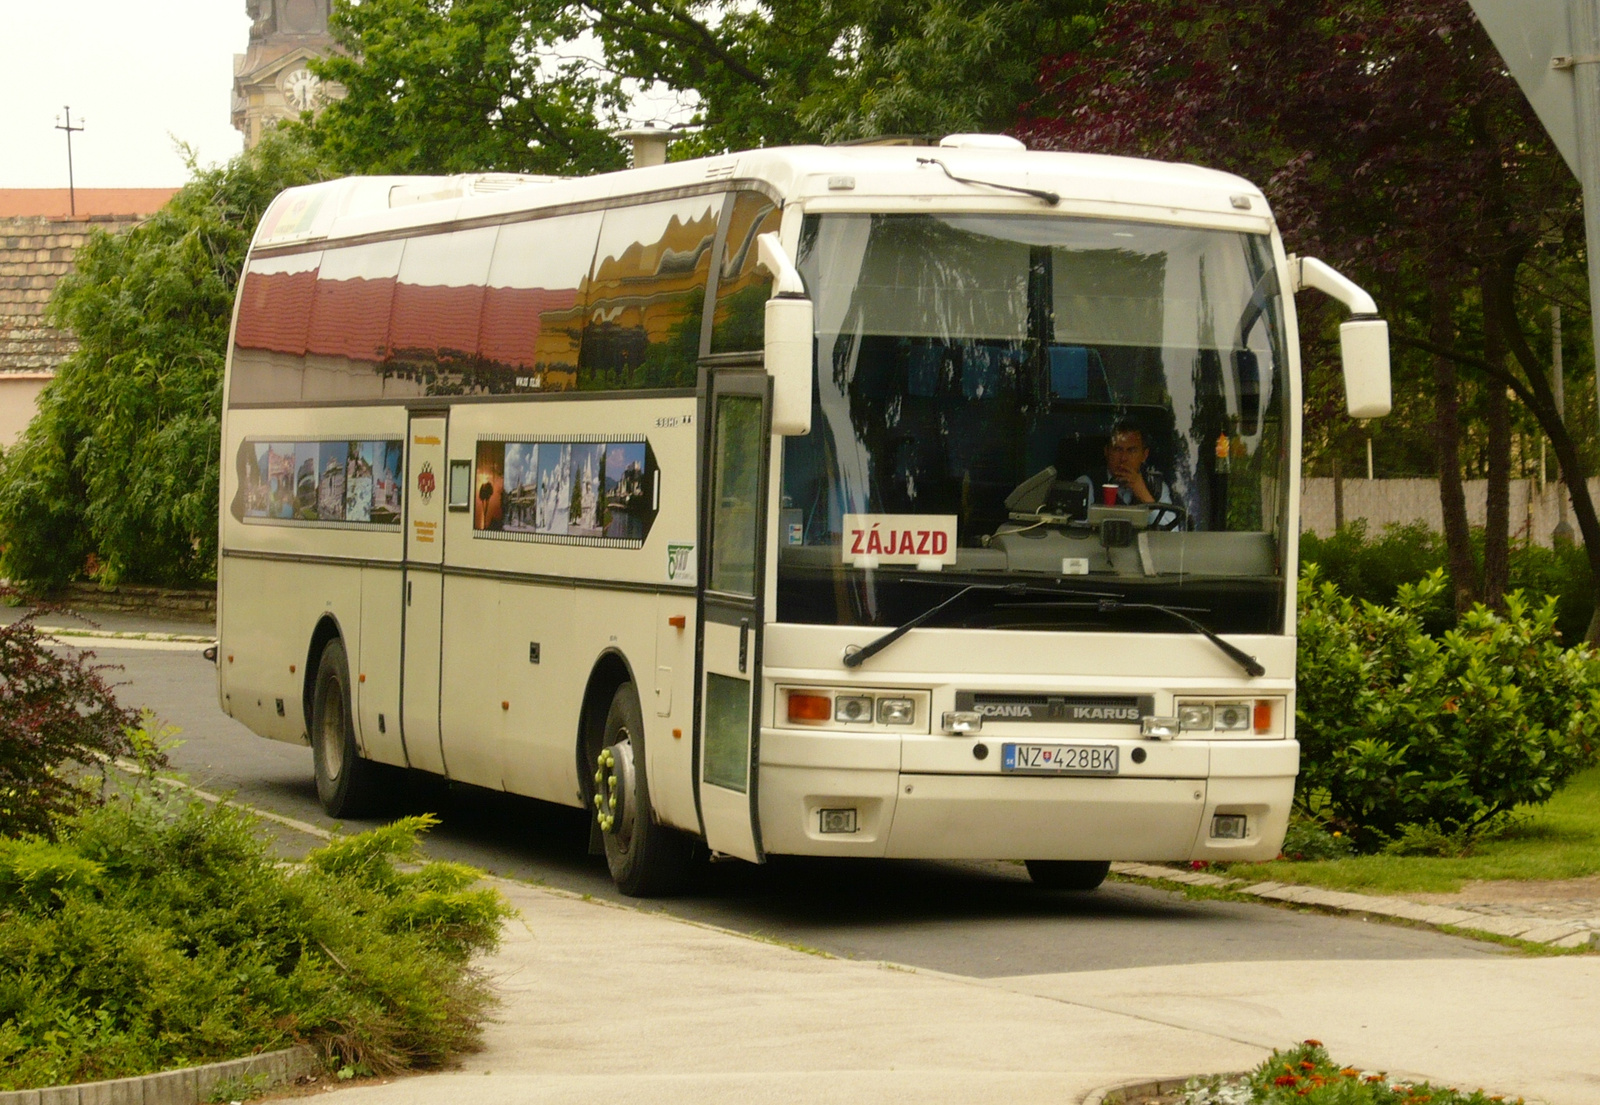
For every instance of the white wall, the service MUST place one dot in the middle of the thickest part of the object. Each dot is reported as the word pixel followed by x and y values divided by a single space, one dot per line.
pixel 1381 502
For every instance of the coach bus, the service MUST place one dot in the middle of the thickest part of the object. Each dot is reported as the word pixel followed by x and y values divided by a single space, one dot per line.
pixel 932 501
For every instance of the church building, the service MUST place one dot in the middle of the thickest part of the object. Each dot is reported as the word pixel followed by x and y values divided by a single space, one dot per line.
pixel 271 80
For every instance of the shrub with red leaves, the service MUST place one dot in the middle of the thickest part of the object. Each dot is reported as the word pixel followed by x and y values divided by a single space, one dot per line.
pixel 59 721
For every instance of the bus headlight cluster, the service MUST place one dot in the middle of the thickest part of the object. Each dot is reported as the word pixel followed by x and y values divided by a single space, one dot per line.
pixel 1261 717
pixel 823 708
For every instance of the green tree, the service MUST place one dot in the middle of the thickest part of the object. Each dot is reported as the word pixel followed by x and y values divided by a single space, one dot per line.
pixel 451 86
pixel 784 71
pixel 121 461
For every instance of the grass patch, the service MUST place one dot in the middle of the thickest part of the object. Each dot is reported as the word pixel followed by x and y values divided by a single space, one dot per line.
pixel 1559 840
pixel 1306 1075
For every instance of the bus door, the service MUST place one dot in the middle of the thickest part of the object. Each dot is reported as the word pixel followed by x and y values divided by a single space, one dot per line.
pixel 733 537
pixel 423 593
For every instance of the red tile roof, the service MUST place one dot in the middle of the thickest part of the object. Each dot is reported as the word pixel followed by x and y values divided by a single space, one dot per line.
pixel 53 202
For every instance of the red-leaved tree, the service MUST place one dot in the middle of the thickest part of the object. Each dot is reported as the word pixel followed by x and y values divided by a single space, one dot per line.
pixel 1390 141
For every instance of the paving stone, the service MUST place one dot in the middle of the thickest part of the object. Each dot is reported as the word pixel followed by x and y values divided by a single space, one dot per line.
pixel 1503 926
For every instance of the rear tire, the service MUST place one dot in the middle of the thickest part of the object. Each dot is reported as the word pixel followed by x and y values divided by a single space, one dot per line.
pixel 348 785
pixel 1068 874
pixel 646 859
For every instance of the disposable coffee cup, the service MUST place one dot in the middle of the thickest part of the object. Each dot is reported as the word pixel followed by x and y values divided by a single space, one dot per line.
pixel 1108 493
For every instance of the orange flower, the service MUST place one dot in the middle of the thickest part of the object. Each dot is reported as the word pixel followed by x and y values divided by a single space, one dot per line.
pixel 1308 1066
pixel 1285 1080
pixel 1313 1043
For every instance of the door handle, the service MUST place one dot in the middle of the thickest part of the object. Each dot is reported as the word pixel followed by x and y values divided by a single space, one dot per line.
pixel 408 592
pixel 744 645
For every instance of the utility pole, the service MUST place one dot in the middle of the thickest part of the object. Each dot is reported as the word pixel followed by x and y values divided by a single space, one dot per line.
pixel 72 191
pixel 1562 534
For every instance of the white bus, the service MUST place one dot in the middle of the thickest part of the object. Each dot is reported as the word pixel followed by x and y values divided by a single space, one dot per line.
pixel 880 501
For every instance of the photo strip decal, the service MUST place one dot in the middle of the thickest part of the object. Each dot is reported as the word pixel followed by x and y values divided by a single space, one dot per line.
pixel 579 490
pixel 321 483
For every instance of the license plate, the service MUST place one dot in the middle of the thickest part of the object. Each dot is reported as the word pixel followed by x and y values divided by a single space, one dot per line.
pixel 1060 759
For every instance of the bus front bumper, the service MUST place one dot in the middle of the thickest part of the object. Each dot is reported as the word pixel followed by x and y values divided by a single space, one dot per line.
pixel 829 797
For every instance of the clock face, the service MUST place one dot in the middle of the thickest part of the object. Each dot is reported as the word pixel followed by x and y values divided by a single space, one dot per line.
pixel 301 89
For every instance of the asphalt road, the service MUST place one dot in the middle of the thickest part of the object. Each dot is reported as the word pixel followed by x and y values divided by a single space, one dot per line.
pixel 975 919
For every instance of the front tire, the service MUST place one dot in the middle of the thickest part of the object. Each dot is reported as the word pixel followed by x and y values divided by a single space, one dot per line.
pixel 1068 874
pixel 647 859
pixel 348 785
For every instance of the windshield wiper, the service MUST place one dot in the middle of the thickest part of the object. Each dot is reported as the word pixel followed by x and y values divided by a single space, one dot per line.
pixel 872 648
pixel 1052 198
pixel 1110 605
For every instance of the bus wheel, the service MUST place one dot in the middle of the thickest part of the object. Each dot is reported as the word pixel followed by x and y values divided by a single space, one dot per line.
pixel 647 859
pixel 347 784
pixel 1068 874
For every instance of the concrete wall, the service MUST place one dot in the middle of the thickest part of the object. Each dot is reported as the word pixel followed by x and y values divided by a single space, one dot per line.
pixel 1381 502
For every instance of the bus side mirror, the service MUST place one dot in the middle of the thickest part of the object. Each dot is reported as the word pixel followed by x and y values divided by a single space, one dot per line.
pixel 1363 340
pixel 1364 349
pixel 788 341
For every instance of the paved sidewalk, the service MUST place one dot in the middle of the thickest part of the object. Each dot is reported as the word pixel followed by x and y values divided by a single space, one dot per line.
pixel 605 1002
pixel 1525 911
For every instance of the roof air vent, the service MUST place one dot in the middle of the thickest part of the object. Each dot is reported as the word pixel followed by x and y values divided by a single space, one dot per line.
pixel 980 142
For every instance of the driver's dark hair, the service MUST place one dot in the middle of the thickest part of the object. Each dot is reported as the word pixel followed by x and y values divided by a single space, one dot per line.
pixel 1128 426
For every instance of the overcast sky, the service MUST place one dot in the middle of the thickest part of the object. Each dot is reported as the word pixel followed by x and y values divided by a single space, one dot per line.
pixel 138 73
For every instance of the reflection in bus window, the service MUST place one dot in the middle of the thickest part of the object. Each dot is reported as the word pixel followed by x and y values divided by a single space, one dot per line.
pixel 647 296
pixel 737 324
pixel 438 306
pixel 349 334
pixel 533 307
pixel 269 343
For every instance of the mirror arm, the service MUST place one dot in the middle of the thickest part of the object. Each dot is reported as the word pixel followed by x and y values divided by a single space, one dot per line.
pixel 771 256
pixel 1308 272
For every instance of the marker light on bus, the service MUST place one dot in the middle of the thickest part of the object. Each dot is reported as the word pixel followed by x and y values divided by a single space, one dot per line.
pixel 810 707
pixel 1263 718
pixel 1258 717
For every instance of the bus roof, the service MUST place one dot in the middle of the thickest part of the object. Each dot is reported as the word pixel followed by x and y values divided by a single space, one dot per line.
pixel 838 178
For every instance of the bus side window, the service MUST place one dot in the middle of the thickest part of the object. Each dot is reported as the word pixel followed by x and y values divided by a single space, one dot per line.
pixel 438 308
pixel 533 307
pixel 647 296
pixel 742 288
pixel 269 344
pixel 349 335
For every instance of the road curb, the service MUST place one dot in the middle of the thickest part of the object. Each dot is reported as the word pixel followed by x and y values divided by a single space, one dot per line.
pixel 1579 933
pixel 187 1086
pixel 1120 1093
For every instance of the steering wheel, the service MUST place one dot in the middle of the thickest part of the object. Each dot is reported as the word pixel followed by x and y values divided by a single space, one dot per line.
pixel 1173 509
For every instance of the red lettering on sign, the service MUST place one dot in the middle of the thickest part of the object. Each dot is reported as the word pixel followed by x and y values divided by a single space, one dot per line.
pixel 922 543
pixel 874 546
pixel 908 544
pixel 941 542
pixel 855 549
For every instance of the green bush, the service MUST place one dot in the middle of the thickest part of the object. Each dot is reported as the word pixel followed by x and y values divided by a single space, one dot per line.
pixel 1374 567
pixel 1399 728
pixel 153 934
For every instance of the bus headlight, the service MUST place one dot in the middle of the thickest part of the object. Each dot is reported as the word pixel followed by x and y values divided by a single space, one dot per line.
pixel 1194 716
pixel 896 711
pixel 1258 717
pixel 1233 716
pixel 852 707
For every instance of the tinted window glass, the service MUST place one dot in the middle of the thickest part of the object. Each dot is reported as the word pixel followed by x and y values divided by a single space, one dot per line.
pixel 742 287
pixel 438 309
pixel 533 307
pixel 647 295
pixel 269 342
pixel 349 335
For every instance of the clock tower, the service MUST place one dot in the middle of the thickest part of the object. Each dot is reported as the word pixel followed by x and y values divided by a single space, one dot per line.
pixel 271 80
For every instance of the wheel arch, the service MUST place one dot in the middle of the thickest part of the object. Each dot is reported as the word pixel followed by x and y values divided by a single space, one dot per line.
pixel 328 629
pixel 609 671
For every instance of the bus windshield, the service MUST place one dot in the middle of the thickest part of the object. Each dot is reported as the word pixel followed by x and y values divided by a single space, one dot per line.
pixel 1093 405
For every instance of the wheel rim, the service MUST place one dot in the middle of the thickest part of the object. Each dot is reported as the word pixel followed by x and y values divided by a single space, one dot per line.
pixel 613 789
pixel 330 745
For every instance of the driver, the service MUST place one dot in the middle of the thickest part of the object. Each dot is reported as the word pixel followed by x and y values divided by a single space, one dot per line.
pixel 1127 467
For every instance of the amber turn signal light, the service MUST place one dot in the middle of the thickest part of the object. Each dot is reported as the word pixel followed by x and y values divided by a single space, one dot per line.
pixel 810 707
pixel 1263 715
